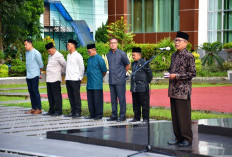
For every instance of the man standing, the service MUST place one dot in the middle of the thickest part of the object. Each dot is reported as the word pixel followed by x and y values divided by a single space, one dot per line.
pixel 74 74
pixel 118 66
pixel 55 68
pixel 182 70
pixel 96 70
pixel 34 65
pixel 140 86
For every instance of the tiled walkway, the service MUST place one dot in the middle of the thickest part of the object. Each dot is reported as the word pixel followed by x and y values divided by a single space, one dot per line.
pixel 25 135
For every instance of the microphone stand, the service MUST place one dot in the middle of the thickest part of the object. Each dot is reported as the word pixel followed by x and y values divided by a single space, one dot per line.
pixel 148 147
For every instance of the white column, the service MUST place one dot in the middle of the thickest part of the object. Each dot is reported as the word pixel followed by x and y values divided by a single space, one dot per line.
pixel 203 22
pixel 42 24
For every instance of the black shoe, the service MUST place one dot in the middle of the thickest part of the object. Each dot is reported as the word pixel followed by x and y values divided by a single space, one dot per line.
pixel 134 120
pixel 76 115
pixel 97 118
pixel 173 142
pixel 145 120
pixel 56 114
pixel 121 119
pixel 47 114
pixel 69 115
pixel 112 119
pixel 185 143
pixel 89 117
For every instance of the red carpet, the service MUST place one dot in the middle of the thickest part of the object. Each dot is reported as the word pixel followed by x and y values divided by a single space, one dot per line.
pixel 218 99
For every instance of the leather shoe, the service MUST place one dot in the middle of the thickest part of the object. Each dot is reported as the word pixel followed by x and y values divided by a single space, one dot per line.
pixel 69 115
pixel 112 119
pixel 97 118
pixel 76 115
pixel 56 114
pixel 89 117
pixel 185 143
pixel 134 120
pixel 173 142
pixel 37 111
pixel 145 120
pixel 121 119
pixel 30 111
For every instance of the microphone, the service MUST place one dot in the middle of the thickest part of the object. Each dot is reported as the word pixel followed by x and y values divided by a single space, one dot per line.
pixel 165 48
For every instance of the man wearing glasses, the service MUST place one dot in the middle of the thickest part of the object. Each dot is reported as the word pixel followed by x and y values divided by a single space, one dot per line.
pixel 182 70
pixel 118 66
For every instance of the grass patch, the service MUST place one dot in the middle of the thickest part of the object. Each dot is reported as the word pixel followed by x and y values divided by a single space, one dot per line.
pixel 11 98
pixel 202 73
pixel 106 87
pixel 155 113
pixel 17 85
pixel 206 73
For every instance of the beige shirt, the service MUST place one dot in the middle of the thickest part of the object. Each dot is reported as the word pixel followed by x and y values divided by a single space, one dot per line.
pixel 55 68
pixel 75 67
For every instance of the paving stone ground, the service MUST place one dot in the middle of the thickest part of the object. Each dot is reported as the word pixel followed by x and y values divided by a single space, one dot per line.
pixel 25 135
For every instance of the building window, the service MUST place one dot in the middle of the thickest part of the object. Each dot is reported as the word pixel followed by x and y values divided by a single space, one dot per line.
pixel 106 7
pixel 147 16
pixel 219 21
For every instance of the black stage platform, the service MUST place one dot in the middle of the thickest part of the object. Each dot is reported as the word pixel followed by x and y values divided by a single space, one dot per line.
pixel 212 137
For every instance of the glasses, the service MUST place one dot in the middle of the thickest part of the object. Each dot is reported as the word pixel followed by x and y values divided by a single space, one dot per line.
pixel 111 43
pixel 178 40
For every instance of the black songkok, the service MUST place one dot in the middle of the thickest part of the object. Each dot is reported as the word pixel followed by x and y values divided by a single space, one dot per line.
pixel 73 42
pixel 182 35
pixel 136 49
pixel 49 46
pixel 90 46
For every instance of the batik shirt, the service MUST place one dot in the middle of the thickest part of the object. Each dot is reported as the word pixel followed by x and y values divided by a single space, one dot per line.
pixel 183 65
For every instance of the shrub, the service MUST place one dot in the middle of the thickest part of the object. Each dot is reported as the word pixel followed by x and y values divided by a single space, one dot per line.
pixel 163 61
pixel 211 56
pixel 120 30
pixel 18 68
pixel 198 63
pixel 226 66
pixel 84 53
pixel 102 48
pixel 3 70
pixel 9 53
pixel 101 33
pixel 1 56
pixel 227 45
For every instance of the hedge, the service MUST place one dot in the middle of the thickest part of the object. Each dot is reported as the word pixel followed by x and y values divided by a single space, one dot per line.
pixel 3 70
pixel 160 63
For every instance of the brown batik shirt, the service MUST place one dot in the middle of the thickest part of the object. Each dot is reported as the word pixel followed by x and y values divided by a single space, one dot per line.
pixel 183 65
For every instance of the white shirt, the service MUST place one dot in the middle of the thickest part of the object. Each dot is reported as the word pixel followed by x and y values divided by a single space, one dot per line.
pixel 55 68
pixel 75 67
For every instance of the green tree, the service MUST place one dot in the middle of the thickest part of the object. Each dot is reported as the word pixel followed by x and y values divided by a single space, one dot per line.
pixel 211 56
pixel 101 33
pixel 19 19
pixel 120 30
